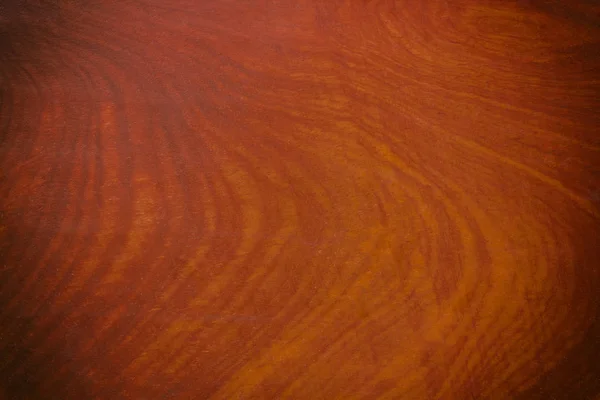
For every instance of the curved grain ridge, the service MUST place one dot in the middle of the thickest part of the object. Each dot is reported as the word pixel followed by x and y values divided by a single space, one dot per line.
pixel 277 199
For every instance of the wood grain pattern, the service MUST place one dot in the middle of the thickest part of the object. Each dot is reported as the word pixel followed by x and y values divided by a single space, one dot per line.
pixel 277 199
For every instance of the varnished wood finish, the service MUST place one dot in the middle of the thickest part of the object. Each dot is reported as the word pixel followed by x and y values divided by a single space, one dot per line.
pixel 279 199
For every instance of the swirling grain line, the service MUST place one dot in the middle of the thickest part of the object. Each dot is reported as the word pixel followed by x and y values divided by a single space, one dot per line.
pixel 240 199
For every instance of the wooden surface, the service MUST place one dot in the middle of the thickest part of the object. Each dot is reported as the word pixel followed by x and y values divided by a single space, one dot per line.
pixel 277 199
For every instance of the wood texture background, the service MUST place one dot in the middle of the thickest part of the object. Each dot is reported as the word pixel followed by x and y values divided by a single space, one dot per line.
pixel 277 199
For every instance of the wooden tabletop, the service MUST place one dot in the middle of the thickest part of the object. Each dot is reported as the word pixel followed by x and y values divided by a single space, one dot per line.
pixel 299 199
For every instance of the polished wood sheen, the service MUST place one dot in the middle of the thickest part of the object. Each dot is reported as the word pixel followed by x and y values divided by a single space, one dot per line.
pixel 277 199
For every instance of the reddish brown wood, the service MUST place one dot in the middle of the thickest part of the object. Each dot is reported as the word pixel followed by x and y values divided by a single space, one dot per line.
pixel 299 199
